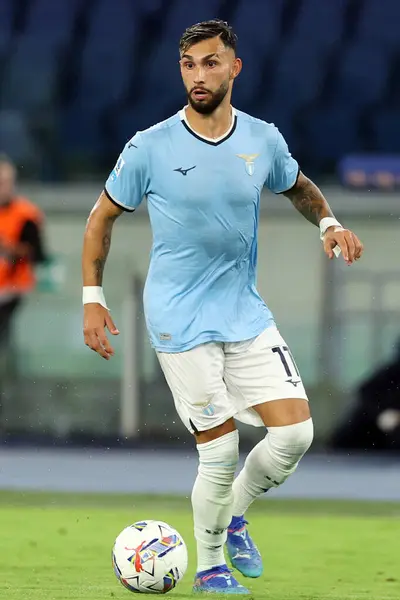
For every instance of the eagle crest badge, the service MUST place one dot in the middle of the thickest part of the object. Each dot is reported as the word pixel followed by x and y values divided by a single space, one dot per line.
pixel 249 162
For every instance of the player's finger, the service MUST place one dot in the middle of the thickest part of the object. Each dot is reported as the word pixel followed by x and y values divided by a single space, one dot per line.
pixel 350 246
pixel 359 247
pixel 111 325
pixel 93 342
pixel 106 346
pixel 341 242
pixel 89 338
pixel 329 245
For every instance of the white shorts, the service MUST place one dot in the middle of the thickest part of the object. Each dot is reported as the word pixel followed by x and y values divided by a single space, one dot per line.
pixel 216 381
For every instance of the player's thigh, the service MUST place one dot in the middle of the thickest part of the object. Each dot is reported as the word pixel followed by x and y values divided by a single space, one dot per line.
pixel 263 373
pixel 286 411
pixel 196 381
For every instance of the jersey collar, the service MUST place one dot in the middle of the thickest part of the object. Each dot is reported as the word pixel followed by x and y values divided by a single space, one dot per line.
pixel 203 138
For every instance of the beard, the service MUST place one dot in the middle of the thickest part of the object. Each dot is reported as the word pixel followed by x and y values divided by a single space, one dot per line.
pixel 206 107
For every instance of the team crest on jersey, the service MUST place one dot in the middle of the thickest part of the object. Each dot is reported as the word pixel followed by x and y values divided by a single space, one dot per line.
pixel 249 162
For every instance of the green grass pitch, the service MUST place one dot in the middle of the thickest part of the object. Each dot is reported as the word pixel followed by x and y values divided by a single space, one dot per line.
pixel 57 547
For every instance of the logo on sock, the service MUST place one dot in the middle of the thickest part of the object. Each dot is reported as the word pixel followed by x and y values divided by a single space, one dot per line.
pixel 215 531
pixel 272 480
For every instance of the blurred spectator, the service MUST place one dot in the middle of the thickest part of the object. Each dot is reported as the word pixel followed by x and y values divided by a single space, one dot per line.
pixel 374 422
pixel 21 248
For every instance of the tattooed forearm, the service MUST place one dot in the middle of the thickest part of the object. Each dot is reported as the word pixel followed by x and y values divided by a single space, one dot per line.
pixel 97 241
pixel 308 199
pixel 100 261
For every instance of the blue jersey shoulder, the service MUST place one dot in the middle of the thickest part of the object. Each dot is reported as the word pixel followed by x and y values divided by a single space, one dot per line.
pixel 270 130
pixel 254 120
pixel 159 129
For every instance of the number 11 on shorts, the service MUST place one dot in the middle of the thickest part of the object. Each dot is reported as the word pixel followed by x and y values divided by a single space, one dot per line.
pixel 281 351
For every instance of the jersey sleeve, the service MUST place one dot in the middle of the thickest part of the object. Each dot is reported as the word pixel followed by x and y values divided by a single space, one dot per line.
pixel 128 181
pixel 284 168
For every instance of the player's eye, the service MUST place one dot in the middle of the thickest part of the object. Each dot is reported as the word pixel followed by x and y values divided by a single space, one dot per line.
pixel 188 65
pixel 212 63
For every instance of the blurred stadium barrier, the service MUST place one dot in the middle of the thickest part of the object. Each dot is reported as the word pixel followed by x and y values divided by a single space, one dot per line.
pixel 339 321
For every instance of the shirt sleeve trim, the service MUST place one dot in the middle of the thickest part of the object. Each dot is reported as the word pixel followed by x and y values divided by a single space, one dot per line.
pixel 292 186
pixel 119 204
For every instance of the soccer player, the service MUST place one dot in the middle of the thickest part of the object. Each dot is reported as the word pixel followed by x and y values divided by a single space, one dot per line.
pixel 203 171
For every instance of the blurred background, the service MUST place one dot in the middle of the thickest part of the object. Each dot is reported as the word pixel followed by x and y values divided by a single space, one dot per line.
pixel 78 78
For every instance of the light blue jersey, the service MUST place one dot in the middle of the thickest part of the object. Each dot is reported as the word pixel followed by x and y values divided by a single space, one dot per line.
pixel 203 201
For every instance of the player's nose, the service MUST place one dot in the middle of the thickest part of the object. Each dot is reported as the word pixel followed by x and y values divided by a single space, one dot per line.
pixel 199 75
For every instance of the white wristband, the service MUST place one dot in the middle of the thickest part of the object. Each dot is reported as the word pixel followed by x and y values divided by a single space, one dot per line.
pixel 327 222
pixel 324 224
pixel 93 294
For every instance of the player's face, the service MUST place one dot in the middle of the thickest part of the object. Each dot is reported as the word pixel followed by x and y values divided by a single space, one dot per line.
pixel 208 70
pixel 7 181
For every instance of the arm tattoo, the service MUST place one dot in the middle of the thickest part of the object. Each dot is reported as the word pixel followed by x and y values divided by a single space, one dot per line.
pixel 100 261
pixel 308 199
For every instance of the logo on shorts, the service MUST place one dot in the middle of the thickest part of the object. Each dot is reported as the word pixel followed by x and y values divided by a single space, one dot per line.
pixel 208 410
pixel 294 383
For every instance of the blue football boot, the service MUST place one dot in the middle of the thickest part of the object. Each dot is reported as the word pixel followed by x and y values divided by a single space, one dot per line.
pixel 242 551
pixel 218 580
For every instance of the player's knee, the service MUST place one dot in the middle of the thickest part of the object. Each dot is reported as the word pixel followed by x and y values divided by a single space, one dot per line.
pixel 287 445
pixel 297 437
pixel 291 442
pixel 218 459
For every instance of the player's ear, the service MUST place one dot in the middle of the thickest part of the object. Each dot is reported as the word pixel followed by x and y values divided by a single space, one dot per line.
pixel 236 68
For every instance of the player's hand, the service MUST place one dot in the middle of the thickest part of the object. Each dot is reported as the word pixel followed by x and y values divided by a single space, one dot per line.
pixel 95 319
pixel 346 240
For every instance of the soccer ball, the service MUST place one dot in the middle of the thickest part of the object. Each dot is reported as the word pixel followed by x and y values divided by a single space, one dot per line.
pixel 149 557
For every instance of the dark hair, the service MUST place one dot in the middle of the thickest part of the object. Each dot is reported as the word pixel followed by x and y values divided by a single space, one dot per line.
pixel 206 30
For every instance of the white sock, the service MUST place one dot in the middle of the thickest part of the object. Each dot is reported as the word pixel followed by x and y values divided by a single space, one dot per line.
pixel 212 498
pixel 271 462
